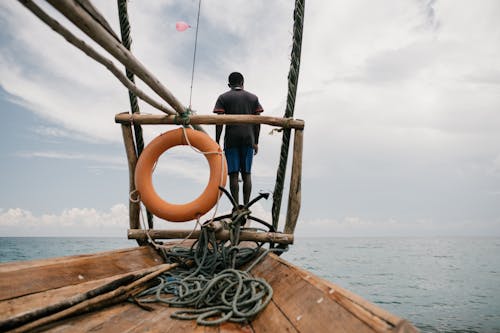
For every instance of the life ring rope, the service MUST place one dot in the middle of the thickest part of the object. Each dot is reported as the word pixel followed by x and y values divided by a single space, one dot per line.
pixel 223 171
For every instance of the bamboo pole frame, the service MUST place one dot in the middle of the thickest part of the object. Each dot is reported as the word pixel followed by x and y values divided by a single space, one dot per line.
pixel 150 119
pixel 134 208
pixel 92 53
pixel 86 23
pixel 99 31
pixel 295 192
pixel 273 237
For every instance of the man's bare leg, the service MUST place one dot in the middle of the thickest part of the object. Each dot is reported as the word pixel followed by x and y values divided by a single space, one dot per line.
pixel 247 191
pixel 247 187
pixel 234 187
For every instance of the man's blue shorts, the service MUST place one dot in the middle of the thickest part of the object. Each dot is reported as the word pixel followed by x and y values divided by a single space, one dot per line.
pixel 239 159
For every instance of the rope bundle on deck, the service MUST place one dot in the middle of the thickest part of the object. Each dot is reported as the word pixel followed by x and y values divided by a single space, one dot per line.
pixel 231 295
pixel 208 282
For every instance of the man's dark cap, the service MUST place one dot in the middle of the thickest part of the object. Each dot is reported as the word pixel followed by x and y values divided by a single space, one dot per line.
pixel 235 79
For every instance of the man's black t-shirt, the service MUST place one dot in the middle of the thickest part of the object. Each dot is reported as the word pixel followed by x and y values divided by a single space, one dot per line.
pixel 239 101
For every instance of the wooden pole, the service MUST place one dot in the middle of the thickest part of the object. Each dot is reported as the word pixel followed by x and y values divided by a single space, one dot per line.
pixel 35 314
pixel 118 295
pixel 272 237
pixel 134 208
pixel 85 22
pixel 151 119
pixel 294 196
pixel 89 51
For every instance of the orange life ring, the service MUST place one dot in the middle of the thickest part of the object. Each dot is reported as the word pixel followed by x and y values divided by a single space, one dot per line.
pixel 207 199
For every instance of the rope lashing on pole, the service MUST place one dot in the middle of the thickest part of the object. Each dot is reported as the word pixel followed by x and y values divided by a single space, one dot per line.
pixel 134 105
pixel 293 78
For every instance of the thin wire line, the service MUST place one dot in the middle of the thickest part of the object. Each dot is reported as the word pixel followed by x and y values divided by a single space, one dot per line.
pixel 194 53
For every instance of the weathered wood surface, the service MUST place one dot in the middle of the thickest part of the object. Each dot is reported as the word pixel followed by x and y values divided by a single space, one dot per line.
pixel 307 300
pixel 134 208
pixel 273 237
pixel 100 301
pixel 272 320
pixel 127 317
pixel 301 302
pixel 295 194
pixel 307 307
pixel 25 278
pixel 22 305
pixel 208 119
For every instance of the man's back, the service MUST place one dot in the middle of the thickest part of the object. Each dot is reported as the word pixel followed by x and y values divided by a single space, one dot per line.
pixel 238 101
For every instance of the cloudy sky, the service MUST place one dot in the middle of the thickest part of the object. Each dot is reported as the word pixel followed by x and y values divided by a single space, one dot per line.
pixel 401 101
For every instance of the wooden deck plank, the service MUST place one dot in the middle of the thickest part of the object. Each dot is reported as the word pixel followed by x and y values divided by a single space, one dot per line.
pixel 125 318
pixel 377 318
pixel 60 272
pixel 380 321
pixel 305 305
pixel 208 329
pixel 18 265
pixel 129 318
pixel 20 305
pixel 89 322
pixel 160 321
pixel 272 320
pixel 235 327
pixel 301 302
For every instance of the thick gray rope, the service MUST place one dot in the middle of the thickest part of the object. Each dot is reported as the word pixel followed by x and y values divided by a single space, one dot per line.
pixel 213 290
pixel 134 105
pixel 293 78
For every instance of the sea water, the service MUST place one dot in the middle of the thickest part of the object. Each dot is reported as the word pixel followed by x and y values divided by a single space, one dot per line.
pixel 438 284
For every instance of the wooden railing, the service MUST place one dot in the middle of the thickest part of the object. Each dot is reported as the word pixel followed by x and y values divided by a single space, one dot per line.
pixel 294 199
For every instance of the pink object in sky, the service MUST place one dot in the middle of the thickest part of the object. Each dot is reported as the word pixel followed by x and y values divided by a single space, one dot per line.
pixel 182 26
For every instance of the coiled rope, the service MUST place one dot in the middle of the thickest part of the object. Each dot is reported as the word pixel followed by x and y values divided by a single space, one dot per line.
pixel 213 289
pixel 293 78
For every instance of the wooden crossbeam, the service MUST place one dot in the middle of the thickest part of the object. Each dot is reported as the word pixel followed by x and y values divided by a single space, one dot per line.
pixel 150 119
pixel 269 237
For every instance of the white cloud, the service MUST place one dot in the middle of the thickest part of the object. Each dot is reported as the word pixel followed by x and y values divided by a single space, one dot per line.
pixel 354 226
pixel 52 132
pixel 70 222
pixel 93 222
pixel 110 160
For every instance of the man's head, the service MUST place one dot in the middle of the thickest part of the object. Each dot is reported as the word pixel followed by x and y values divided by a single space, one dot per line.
pixel 235 79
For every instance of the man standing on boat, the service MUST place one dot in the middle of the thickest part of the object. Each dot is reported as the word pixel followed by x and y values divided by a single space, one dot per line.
pixel 240 140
